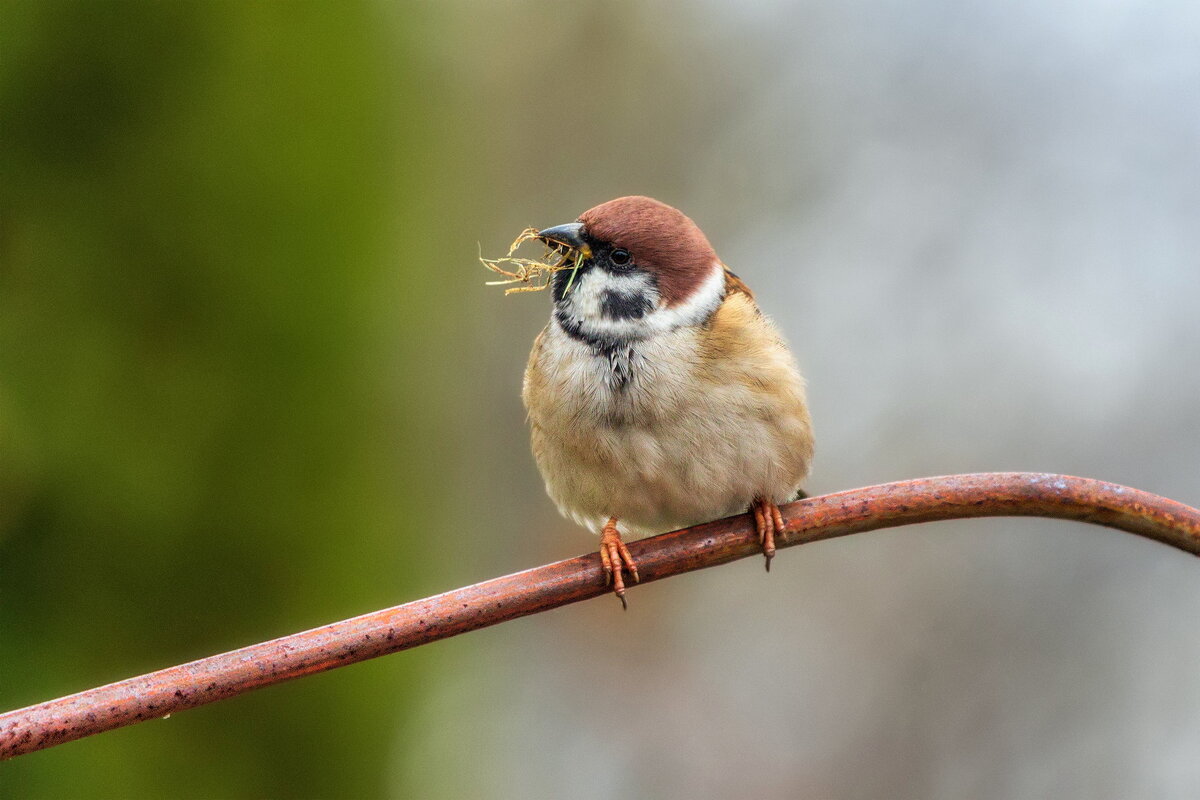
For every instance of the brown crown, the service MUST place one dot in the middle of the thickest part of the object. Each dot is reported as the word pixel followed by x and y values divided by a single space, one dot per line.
pixel 660 238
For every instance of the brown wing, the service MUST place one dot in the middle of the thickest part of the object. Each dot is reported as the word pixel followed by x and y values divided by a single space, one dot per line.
pixel 734 284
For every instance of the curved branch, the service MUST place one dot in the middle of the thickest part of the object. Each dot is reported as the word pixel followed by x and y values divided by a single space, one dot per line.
pixel 422 621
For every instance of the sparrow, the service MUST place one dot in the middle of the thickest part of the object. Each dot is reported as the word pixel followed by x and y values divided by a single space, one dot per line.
pixel 659 396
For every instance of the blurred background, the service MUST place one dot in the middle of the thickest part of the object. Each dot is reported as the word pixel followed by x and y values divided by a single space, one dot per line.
pixel 251 382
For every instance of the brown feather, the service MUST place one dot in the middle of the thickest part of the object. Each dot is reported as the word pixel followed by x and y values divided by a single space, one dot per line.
pixel 734 284
pixel 660 238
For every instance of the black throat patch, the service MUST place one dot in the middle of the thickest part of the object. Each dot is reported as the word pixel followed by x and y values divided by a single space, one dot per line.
pixel 618 353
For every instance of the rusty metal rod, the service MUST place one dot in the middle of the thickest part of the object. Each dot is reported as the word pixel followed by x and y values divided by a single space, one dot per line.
pixel 422 621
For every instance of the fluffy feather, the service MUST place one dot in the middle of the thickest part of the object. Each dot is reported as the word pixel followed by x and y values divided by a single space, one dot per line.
pixel 688 423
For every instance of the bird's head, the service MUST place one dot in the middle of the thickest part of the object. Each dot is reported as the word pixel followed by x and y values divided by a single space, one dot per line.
pixel 646 269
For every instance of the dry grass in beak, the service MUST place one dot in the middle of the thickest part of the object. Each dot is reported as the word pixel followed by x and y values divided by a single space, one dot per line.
pixel 529 270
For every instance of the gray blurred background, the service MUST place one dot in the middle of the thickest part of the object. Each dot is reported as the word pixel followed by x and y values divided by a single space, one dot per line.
pixel 251 381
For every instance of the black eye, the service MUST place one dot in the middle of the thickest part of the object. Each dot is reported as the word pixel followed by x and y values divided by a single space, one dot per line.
pixel 619 257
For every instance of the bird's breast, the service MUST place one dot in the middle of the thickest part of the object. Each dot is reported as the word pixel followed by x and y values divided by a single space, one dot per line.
pixel 614 382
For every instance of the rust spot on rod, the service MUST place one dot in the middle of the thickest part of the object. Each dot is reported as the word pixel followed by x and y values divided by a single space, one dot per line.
pixel 998 494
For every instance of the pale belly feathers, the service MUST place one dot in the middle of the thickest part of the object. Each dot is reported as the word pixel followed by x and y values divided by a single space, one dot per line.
pixel 662 435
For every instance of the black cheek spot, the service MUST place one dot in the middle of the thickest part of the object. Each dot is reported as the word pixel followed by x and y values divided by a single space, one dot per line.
pixel 622 305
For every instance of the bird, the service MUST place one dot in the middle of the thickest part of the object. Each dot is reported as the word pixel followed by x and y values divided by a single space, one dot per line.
pixel 659 396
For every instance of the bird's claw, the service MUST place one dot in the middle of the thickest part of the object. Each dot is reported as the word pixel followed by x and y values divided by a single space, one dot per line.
pixel 616 558
pixel 768 521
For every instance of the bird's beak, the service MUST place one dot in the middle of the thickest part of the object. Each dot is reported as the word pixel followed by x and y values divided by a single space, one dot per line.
pixel 569 235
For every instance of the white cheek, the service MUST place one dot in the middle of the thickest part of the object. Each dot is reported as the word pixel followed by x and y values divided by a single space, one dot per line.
pixel 588 292
pixel 585 304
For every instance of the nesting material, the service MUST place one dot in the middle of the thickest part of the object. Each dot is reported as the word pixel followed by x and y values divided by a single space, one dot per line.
pixel 533 273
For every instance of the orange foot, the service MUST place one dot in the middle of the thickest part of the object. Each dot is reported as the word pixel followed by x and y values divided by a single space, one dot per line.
pixel 769 521
pixel 615 556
